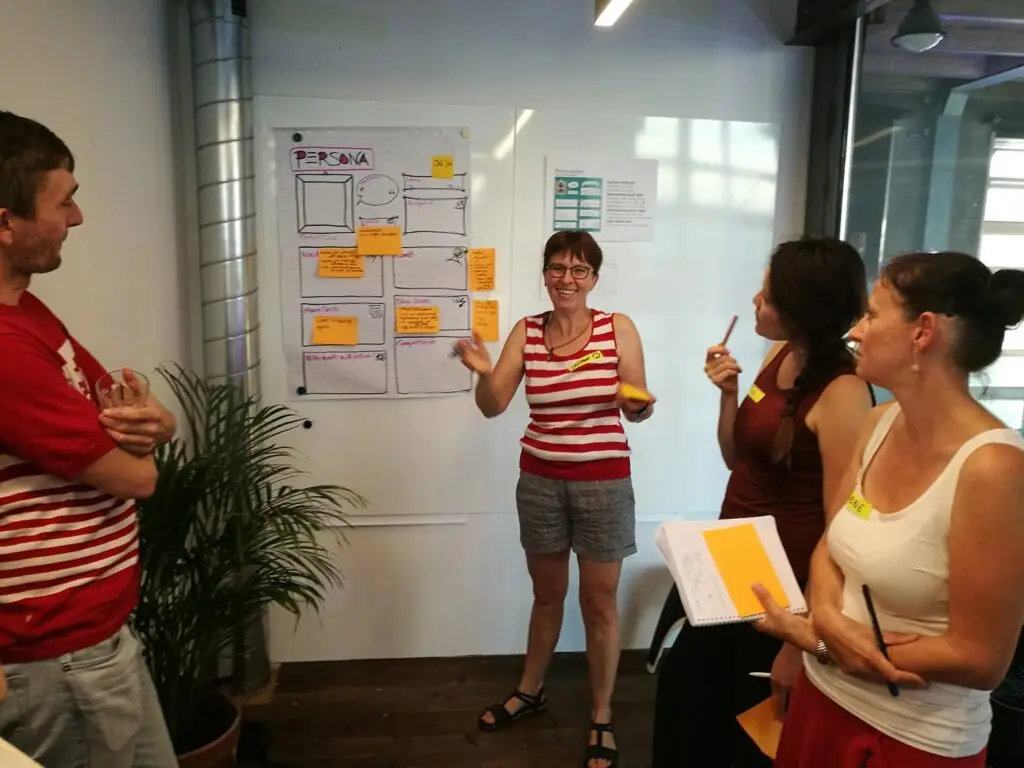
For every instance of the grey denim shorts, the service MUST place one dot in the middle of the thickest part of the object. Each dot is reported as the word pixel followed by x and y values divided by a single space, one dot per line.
pixel 596 519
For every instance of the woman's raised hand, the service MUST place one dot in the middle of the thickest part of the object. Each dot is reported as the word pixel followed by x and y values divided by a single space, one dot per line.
pixel 722 369
pixel 474 354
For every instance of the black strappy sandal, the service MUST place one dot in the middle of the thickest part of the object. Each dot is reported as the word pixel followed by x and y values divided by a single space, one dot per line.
pixel 532 705
pixel 599 751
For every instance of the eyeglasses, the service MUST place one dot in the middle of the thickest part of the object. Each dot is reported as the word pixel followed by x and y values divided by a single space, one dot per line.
pixel 578 271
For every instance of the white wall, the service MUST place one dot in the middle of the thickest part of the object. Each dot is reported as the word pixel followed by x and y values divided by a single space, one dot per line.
pixel 445 590
pixel 98 74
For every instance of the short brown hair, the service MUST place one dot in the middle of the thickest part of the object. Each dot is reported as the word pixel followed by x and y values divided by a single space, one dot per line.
pixel 28 151
pixel 576 243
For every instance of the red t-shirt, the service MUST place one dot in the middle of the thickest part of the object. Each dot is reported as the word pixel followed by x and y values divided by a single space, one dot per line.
pixel 69 573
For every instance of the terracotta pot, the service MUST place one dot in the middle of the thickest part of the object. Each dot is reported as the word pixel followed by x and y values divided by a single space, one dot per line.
pixel 219 753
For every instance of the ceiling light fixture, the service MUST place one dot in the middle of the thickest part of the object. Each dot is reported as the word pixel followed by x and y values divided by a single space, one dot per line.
pixel 921 29
pixel 608 11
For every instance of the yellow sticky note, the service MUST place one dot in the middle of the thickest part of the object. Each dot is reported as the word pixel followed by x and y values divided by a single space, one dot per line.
pixel 485 318
pixel 742 562
pixel 755 393
pixel 634 393
pixel 860 506
pixel 761 726
pixel 481 269
pixel 339 262
pixel 379 241
pixel 334 329
pixel 417 318
pixel 442 167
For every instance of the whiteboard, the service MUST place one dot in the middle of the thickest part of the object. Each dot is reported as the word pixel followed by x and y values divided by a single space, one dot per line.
pixel 374 325
pixel 715 216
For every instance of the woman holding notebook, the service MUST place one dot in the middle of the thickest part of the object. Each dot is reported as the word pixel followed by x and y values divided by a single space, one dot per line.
pixel 575 490
pixel 787 445
pixel 926 538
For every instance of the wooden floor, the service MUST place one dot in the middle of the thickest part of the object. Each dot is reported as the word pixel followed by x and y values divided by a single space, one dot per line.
pixel 422 714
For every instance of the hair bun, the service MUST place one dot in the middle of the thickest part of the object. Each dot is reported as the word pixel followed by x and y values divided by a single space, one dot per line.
pixel 1006 297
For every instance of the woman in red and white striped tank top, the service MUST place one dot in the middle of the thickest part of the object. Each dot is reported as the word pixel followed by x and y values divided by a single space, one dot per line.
pixel 574 491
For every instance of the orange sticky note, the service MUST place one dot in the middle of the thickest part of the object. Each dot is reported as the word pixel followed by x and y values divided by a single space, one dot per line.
pixel 442 166
pixel 485 318
pixel 742 562
pixel 334 329
pixel 481 269
pixel 379 241
pixel 761 726
pixel 417 318
pixel 339 262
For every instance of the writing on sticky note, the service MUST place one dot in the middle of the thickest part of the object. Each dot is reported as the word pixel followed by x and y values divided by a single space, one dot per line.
pixel 742 561
pixel 442 166
pixel 485 319
pixel 860 506
pixel 417 319
pixel 339 262
pixel 379 241
pixel 334 329
pixel 756 393
pixel 481 269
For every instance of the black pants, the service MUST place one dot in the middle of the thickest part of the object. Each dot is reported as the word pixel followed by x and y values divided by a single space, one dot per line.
pixel 1006 744
pixel 704 682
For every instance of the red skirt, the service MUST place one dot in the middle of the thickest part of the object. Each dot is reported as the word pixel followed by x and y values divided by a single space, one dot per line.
pixel 818 732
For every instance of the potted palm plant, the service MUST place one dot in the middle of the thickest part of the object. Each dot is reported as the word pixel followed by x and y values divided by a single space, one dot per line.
pixel 229 531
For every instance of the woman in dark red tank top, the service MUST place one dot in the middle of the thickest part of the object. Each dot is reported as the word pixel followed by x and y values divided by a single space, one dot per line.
pixel 787 445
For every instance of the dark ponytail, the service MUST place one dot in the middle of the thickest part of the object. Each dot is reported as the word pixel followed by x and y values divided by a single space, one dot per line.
pixel 819 288
pixel 824 362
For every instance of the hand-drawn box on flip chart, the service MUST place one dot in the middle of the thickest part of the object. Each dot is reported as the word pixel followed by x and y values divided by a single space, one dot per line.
pixel 346 373
pixel 325 203
pixel 369 314
pixel 425 365
pixel 435 205
pixel 431 268
pixel 454 310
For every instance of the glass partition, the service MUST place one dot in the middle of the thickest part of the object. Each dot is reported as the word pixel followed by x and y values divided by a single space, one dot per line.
pixel 938 154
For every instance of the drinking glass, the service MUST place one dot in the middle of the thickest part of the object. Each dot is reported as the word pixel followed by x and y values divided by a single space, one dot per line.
pixel 123 388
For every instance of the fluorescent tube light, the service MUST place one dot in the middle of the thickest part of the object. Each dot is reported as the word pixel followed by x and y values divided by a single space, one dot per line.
pixel 608 11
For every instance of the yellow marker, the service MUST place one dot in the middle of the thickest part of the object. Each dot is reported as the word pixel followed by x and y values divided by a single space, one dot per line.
pixel 592 357
pixel 634 393
pixel 755 393
pixel 860 506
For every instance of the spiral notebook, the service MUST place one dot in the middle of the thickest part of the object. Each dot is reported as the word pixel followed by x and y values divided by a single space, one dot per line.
pixel 714 564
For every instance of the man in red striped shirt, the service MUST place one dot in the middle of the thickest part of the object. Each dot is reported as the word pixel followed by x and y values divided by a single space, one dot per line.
pixel 78 692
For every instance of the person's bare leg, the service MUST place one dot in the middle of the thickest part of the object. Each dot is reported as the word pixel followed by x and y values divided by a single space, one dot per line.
pixel 550 577
pixel 599 583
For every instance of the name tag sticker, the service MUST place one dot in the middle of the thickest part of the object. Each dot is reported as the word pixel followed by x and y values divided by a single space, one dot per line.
pixel 860 506
pixel 755 393
pixel 592 357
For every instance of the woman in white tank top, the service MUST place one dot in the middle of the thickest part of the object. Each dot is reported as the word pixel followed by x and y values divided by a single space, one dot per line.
pixel 931 520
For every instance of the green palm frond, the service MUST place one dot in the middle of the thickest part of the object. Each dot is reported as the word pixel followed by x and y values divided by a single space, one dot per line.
pixel 229 531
